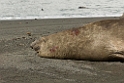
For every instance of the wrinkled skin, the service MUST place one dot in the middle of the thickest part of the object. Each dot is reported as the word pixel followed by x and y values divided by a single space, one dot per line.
pixel 102 40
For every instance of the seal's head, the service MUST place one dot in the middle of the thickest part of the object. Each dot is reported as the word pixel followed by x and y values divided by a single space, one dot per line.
pixel 45 47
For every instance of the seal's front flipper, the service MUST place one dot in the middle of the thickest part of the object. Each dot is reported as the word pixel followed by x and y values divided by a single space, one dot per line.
pixel 117 57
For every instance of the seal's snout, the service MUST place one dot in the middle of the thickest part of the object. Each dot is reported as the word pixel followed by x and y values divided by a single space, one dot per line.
pixel 32 45
pixel 35 46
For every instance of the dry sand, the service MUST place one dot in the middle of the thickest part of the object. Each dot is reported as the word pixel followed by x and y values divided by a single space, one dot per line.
pixel 19 64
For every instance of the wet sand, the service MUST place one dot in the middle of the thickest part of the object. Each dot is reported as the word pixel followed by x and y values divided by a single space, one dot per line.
pixel 19 64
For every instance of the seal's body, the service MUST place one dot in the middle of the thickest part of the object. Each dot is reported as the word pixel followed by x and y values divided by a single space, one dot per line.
pixel 102 40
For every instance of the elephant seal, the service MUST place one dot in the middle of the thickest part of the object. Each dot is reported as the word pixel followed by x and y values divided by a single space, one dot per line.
pixel 99 41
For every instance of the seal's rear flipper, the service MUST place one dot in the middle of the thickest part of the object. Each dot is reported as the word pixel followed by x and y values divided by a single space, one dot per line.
pixel 117 57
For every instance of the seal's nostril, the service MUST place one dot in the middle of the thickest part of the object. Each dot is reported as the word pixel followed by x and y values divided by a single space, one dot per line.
pixel 31 47
pixel 37 48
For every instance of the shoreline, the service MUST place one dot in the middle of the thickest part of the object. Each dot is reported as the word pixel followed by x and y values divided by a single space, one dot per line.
pixel 47 18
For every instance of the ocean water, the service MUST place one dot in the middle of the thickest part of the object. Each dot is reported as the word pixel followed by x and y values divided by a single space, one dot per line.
pixel 30 9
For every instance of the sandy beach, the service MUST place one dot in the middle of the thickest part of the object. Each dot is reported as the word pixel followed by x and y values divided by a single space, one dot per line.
pixel 19 63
